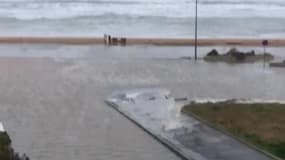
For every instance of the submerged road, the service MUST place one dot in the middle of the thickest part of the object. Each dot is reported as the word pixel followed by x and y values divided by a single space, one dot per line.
pixel 52 96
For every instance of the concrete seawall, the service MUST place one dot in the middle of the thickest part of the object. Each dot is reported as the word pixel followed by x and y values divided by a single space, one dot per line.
pixel 145 41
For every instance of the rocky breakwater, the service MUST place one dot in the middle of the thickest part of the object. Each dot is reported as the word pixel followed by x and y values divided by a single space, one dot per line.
pixel 236 56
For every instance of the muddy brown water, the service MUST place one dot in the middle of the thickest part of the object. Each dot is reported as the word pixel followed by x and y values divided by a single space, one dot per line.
pixel 52 96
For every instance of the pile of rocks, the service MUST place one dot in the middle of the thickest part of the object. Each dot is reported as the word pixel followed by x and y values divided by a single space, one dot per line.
pixel 238 55
pixel 234 55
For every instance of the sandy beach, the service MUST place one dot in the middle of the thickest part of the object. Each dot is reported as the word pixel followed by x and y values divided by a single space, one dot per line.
pixel 147 41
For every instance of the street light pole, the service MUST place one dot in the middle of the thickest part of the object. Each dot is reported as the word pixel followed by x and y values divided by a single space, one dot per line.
pixel 196 21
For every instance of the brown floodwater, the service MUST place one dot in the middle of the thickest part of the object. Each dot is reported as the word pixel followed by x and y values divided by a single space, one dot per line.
pixel 52 96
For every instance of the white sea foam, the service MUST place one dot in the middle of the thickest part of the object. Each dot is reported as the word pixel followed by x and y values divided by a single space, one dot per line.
pixel 2 127
pixel 143 18
pixel 61 9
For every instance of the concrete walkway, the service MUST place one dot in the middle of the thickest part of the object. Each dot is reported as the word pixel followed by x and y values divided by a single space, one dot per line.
pixel 156 111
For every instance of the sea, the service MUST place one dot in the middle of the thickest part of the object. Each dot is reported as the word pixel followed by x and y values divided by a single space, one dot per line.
pixel 143 18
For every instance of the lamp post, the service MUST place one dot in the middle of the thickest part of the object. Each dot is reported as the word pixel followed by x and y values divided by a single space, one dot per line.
pixel 196 21
pixel 264 44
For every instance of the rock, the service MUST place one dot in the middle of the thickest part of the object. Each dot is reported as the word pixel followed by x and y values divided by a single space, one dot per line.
pixel 232 51
pixel 237 55
pixel 251 53
pixel 213 52
pixel 234 55
pixel 278 64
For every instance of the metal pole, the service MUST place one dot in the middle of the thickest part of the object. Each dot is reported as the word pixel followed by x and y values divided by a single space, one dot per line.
pixel 196 35
pixel 264 61
pixel 264 43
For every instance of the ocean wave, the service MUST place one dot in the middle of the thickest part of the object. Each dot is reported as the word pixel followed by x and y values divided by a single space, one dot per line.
pixel 104 16
pixel 67 9
pixel 94 1
pixel 121 18
pixel 244 2
pixel 70 1
pixel 213 2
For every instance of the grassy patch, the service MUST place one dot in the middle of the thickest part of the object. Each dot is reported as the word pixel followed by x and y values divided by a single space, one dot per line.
pixel 262 124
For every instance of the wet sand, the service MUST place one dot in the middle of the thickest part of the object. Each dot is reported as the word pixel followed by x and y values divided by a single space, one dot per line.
pixel 52 96
pixel 144 41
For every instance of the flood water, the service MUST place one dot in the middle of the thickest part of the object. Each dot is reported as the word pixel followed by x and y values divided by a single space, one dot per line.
pixel 52 96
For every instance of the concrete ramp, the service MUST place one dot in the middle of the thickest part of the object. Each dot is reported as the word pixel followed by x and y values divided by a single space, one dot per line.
pixel 155 111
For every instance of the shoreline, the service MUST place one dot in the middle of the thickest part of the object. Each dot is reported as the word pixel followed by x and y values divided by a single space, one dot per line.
pixel 272 42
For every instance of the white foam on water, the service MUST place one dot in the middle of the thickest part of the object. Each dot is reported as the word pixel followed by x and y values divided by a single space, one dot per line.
pixel 2 127
pixel 58 9
pixel 147 18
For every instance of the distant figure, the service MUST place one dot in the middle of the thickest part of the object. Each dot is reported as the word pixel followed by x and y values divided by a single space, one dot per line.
pixel 114 41
pixel 107 39
pixel 123 41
